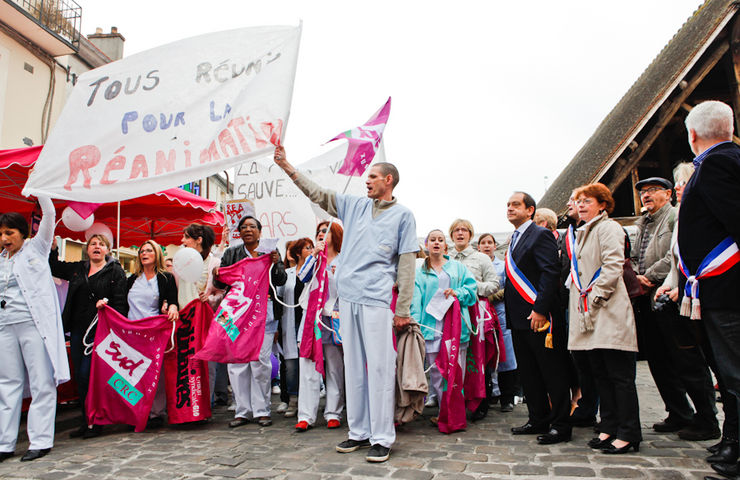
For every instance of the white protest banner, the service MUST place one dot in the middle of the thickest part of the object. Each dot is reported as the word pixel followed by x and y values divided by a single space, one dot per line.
pixel 284 211
pixel 235 210
pixel 170 115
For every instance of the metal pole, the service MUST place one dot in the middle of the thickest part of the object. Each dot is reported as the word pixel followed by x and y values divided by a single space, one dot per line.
pixel 118 232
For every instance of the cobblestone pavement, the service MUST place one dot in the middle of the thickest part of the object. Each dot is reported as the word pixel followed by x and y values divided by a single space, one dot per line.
pixel 485 450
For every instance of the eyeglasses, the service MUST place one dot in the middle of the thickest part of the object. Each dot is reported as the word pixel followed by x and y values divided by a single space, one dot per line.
pixel 246 226
pixel 322 230
pixel 651 190
pixel 682 183
pixel 584 201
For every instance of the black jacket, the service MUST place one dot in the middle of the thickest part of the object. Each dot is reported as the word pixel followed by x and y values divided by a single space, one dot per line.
pixel 83 294
pixel 278 276
pixel 165 283
pixel 536 255
pixel 709 213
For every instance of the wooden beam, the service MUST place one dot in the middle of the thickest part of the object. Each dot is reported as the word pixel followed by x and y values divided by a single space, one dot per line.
pixel 635 194
pixel 734 70
pixel 666 113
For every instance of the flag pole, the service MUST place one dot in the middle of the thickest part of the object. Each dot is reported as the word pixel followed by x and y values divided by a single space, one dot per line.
pixel 118 231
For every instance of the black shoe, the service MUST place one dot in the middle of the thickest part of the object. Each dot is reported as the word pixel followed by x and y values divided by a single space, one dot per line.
pixel 715 448
pixel 729 471
pixel 619 450
pixel 713 478
pixel 727 453
pixel 5 455
pixel 553 436
pixel 529 429
pixel 154 422
pixel 479 413
pixel 378 454
pixel 598 444
pixel 507 407
pixel 238 422
pixel 494 400
pixel 669 425
pixel 34 454
pixel 79 432
pixel 92 432
pixel 697 433
pixel 350 445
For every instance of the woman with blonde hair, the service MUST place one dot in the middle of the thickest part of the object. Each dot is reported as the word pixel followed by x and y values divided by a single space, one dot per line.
pixel 151 290
pixel 93 283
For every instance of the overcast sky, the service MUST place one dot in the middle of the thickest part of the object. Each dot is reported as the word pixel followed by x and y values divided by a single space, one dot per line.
pixel 488 96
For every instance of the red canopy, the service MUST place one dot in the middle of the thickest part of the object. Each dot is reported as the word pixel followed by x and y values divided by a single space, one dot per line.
pixel 162 216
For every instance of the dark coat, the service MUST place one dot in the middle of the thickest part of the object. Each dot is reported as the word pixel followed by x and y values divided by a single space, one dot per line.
pixel 109 282
pixel 709 213
pixel 536 255
pixel 278 276
pixel 165 283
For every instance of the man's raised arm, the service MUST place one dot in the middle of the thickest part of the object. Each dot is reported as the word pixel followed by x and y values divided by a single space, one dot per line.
pixel 323 197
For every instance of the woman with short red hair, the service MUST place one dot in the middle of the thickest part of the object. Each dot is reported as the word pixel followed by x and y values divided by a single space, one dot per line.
pixel 601 319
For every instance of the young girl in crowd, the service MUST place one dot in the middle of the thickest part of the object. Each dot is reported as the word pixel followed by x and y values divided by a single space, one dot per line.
pixel 439 272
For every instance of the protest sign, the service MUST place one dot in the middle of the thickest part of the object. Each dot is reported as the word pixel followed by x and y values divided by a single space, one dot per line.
pixel 186 379
pixel 167 116
pixel 235 210
pixel 125 368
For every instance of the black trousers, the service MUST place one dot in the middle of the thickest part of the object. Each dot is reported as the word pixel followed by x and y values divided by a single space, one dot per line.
pixel 653 344
pixel 723 330
pixel 588 404
pixel 685 352
pixel 544 376
pixel 615 377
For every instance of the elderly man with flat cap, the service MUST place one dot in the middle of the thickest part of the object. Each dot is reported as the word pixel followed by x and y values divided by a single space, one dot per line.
pixel 655 328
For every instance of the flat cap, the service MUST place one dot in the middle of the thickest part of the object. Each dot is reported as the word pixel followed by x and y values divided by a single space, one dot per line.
pixel 667 184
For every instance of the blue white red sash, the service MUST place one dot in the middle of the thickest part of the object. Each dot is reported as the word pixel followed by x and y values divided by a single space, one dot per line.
pixel 517 278
pixel 524 287
pixel 570 244
pixel 723 257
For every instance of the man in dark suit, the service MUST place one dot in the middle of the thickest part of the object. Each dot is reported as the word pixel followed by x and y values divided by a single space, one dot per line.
pixel 531 297
pixel 710 215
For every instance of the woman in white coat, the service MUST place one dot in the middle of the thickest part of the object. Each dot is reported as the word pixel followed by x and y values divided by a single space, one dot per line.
pixel 31 334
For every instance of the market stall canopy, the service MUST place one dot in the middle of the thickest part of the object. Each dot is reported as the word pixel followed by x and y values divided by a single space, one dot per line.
pixel 162 216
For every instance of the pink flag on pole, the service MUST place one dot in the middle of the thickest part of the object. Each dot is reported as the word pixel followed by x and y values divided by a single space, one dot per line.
pixel 83 209
pixel 364 142
pixel 126 364
pixel 311 347
pixel 186 379
pixel 238 329
pixel 452 405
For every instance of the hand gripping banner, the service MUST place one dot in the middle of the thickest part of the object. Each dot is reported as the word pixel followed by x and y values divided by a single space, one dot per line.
pixel 126 363
pixel 186 379
pixel 238 328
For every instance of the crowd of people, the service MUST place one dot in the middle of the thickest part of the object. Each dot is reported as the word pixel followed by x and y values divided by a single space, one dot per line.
pixel 570 311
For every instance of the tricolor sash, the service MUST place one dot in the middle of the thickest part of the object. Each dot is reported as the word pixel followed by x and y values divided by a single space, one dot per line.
pixel 517 278
pixel 570 244
pixel 525 288
pixel 723 257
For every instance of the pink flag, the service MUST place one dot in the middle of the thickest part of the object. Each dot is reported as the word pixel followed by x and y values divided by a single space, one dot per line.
pixel 452 405
pixel 477 359
pixel 311 347
pixel 238 329
pixel 364 142
pixel 83 209
pixel 126 364
pixel 186 379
